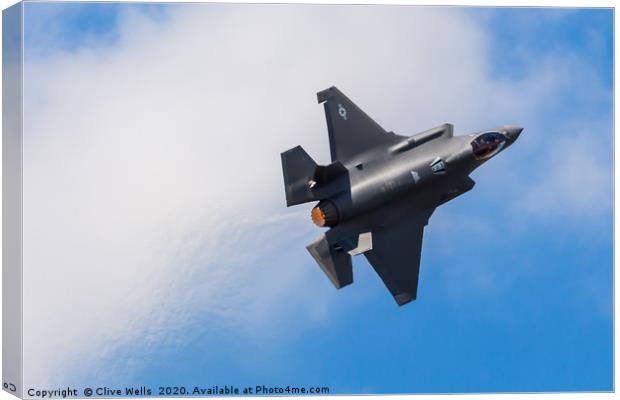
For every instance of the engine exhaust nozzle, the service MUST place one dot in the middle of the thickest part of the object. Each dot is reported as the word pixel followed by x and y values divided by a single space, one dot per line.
pixel 325 214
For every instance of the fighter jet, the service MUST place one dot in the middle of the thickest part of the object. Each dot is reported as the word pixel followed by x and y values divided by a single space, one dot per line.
pixel 380 190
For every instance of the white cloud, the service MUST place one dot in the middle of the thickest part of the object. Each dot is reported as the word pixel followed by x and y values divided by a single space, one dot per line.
pixel 152 182
pixel 575 179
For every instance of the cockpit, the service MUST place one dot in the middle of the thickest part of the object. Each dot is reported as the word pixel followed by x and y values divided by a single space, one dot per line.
pixel 488 144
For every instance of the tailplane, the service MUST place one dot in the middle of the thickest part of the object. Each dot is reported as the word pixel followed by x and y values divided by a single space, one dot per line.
pixel 304 180
pixel 298 169
pixel 333 260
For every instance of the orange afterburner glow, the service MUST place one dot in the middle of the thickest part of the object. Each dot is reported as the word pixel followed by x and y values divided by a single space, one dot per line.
pixel 318 217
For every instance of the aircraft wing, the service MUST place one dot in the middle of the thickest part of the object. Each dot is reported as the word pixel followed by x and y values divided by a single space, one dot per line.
pixel 395 255
pixel 351 131
pixel 393 247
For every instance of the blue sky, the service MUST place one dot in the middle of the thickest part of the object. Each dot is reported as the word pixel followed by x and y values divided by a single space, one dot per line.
pixel 516 277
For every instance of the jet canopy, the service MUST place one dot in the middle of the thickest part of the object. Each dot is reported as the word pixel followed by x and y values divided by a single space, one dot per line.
pixel 488 144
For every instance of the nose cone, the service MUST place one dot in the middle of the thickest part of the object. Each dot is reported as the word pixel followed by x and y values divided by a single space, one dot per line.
pixel 513 132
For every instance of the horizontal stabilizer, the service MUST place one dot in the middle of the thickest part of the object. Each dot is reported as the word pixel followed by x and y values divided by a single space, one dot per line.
pixel 304 180
pixel 333 260
pixel 298 169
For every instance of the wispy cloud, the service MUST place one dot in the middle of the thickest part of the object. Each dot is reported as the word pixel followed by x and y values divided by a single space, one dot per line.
pixel 575 180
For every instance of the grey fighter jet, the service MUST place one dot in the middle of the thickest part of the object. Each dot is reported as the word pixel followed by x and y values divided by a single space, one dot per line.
pixel 380 190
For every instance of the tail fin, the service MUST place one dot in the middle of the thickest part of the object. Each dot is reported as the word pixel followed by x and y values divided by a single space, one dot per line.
pixel 299 170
